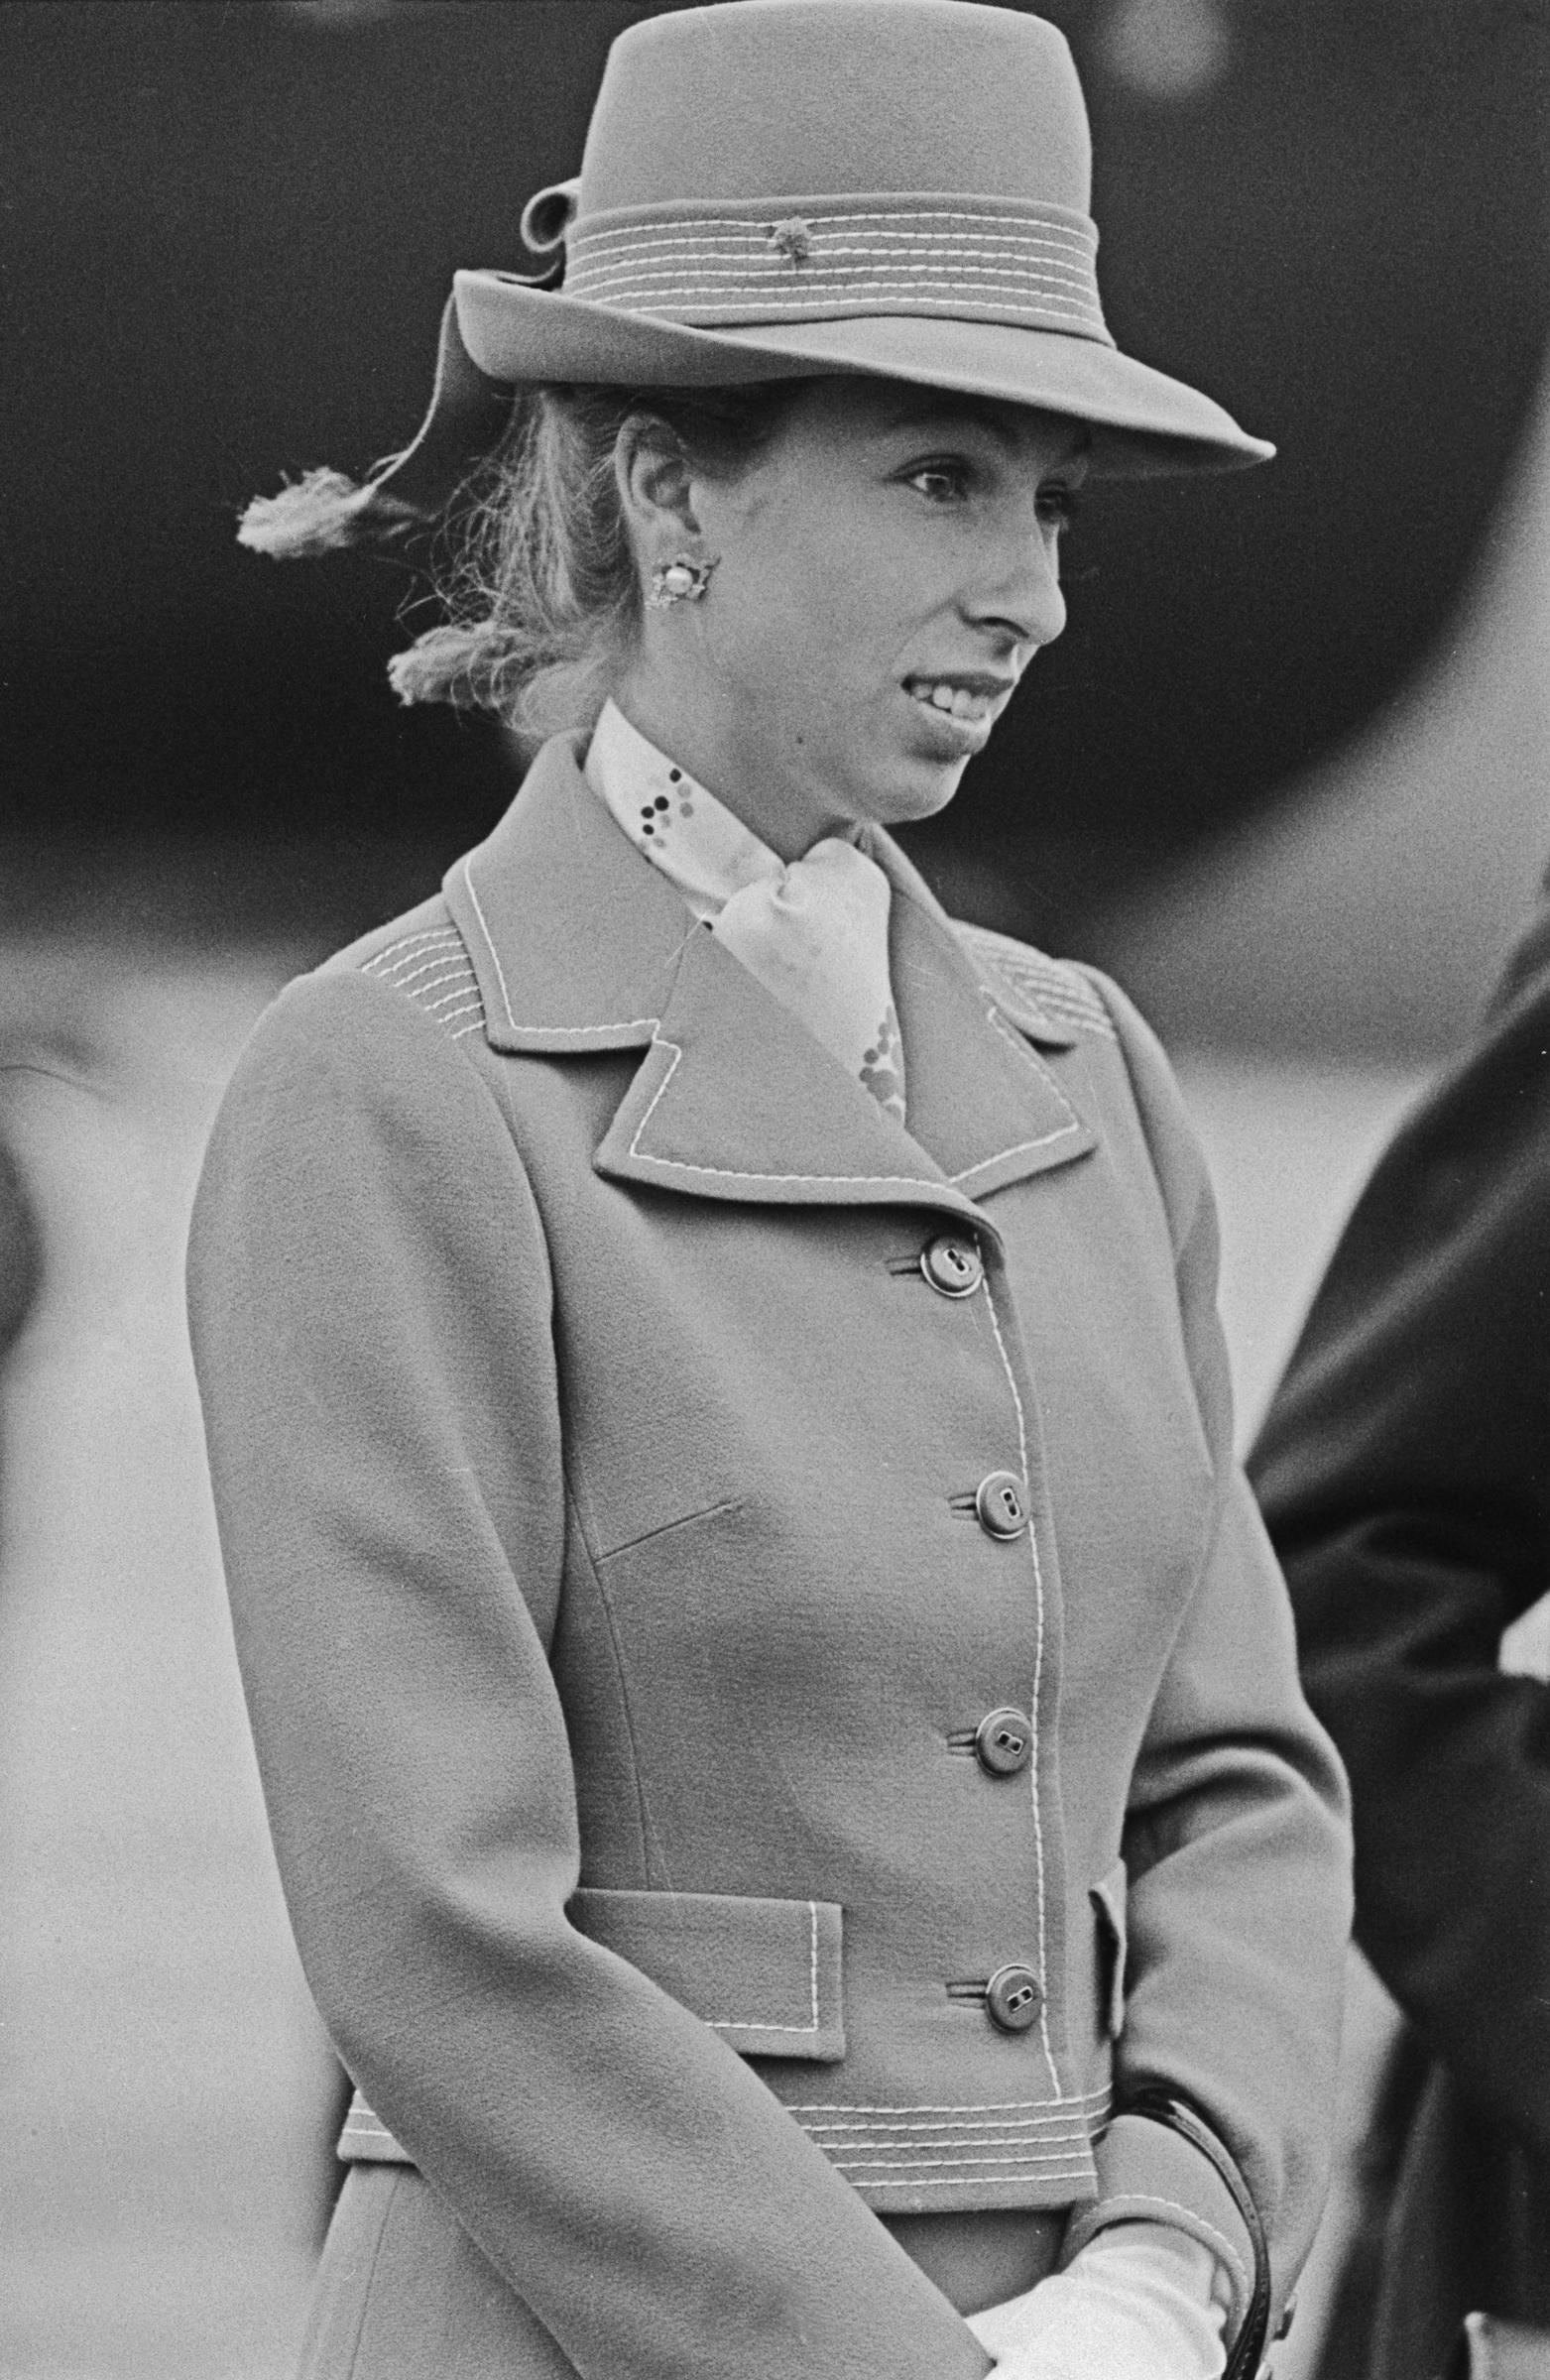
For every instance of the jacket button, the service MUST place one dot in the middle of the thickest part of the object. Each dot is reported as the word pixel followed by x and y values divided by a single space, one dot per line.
pixel 952 1265
pixel 1004 1743
pixel 1014 1998
pixel 1000 1504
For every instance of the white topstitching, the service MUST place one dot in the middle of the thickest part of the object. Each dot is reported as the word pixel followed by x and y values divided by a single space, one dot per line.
pixel 1036 220
pixel 437 933
pixel 728 1173
pixel 623 1024
pixel 1061 2098
pixel 743 2024
pixel 1039 1673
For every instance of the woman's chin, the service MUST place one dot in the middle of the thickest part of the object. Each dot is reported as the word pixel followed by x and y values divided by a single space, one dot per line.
pixel 916 786
pixel 923 799
pixel 930 750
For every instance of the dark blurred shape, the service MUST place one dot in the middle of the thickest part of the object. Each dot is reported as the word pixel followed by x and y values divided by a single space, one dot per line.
pixel 229 233
pixel 341 12
pixel 20 1252
pixel 20 1272
pixel 1166 49
pixel 1402 1474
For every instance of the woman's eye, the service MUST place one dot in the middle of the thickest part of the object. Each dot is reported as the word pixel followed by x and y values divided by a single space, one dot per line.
pixel 1057 504
pixel 942 483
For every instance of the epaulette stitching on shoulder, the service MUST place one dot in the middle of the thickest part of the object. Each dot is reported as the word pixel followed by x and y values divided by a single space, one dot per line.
pixel 432 969
pixel 1061 989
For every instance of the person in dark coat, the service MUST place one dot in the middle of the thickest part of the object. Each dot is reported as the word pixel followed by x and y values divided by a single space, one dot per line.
pixel 778 1717
pixel 20 1269
pixel 19 1251
pixel 1404 1471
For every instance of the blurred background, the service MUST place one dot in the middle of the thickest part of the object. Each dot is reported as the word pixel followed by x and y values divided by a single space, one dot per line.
pixel 1286 775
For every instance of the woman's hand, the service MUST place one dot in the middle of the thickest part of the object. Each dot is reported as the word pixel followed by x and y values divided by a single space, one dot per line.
pixel 1141 2301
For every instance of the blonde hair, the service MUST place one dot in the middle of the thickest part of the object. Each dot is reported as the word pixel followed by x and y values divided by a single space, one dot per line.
pixel 536 574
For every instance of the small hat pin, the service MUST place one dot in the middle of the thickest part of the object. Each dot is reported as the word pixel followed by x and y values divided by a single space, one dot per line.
pixel 791 239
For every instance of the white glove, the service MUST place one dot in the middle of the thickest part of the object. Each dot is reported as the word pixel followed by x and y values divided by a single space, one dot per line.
pixel 1140 2302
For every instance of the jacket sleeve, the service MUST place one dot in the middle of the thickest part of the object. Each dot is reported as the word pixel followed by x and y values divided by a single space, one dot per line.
pixel 1405 1472
pixel 371 1317
pixel 1237 1839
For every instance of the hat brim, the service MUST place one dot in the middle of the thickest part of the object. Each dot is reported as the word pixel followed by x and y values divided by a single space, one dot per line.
pixel 1146 423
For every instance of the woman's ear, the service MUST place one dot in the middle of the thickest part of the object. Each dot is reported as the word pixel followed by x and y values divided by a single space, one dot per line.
pixel 655 492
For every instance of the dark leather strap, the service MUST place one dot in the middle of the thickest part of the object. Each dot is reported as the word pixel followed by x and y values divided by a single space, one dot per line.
pixel 1165 2107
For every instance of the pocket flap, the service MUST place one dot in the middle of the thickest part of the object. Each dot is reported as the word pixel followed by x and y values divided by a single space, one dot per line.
pixel 1109 1897
pixel 764 1974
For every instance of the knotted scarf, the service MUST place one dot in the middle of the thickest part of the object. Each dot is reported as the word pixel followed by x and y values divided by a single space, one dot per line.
pixel 813 930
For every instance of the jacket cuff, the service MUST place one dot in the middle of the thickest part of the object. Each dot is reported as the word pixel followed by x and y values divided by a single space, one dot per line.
pixel 1147 2174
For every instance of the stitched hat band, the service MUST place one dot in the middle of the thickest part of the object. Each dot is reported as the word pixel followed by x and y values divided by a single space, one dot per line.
pixel 982 260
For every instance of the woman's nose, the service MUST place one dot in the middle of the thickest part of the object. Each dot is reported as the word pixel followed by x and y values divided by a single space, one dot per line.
pixel 1022 594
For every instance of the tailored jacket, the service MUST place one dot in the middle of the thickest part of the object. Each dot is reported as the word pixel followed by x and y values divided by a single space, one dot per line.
pixel 643 1468
pixel 1405 1473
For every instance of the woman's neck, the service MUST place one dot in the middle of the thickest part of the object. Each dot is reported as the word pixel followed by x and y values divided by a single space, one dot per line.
pixel 773 802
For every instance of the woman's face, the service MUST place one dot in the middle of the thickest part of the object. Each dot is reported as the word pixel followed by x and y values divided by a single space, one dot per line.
pixel 887 570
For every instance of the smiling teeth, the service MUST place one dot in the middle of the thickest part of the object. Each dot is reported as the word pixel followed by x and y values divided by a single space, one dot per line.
pixel 956 699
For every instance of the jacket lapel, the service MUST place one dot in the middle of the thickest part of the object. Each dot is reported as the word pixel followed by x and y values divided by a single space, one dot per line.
pixel 580 945
pixel 736 1100
pixel 981 1098
pixel 574 938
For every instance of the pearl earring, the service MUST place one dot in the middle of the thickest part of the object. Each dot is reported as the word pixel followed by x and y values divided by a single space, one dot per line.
pixel 682 580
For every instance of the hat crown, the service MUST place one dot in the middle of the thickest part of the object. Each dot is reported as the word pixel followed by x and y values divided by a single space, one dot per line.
pixel 757 99
pixel 784 188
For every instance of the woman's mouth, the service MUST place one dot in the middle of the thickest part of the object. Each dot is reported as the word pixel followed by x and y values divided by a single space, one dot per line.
pixel 956 713
pixel 956 698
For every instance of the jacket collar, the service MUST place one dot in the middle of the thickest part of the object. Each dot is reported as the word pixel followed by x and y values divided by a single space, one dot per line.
pixel 580 945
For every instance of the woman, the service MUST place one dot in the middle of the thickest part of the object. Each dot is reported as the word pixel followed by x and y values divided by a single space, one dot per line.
pixel 778 1721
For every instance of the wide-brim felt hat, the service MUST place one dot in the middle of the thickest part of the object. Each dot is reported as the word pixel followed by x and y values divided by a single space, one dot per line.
pixel 782 189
